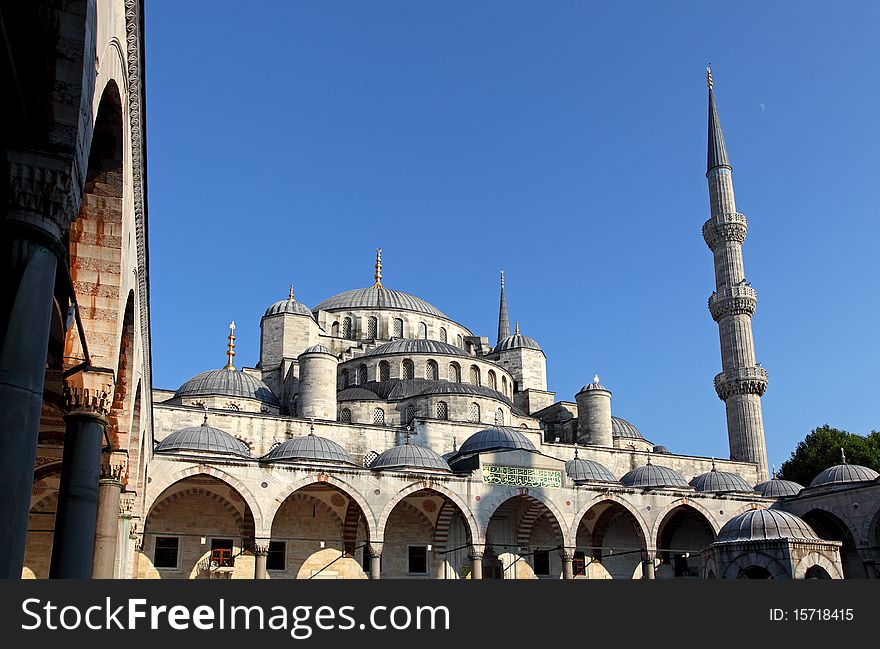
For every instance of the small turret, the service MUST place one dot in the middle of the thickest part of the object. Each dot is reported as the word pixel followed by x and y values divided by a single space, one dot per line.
pixel 594 414
pixel 317 383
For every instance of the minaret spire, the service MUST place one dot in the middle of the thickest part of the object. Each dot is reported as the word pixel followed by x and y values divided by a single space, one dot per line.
pixel 503 317
pixel 732 304
pixel 230 349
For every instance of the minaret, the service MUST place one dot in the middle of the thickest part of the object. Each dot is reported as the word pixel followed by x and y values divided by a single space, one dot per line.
pixel 742 382
pixel 230 347
pixel 503 317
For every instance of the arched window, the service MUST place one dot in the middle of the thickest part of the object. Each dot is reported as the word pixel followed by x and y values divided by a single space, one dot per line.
pixel 499 417
pixel 442 410
pixel 431 371
pixel 504 385
pixel 408 370
pixel 379 417
pixel 409 415
pixel 346 328
pixel 423 330
pixel 372 327
pixel 345 416
pixel 493 381
pixel 344 379
pixel 384 371
pixel 454 373
pixel 397 328
pixel 460 341
pixel 334 329
pixel 475 375
pixel 443 337
pixel 362 374
pixel 474 413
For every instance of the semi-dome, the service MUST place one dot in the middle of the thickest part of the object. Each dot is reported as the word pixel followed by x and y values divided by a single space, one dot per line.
pixel 581 470
pixel 203 439
pixel 765 525
pixel 716 481
pixel 842 473
pixel 778 488
pixel 378 297
pixel 621 428
pixel 309 448
pixel 227 383
pixel 652 476
pixel 290 305
pixel 496 439
pixel 416 346
pixel 451 387
pixel 317 349
pixel 412 457
pixel 356 394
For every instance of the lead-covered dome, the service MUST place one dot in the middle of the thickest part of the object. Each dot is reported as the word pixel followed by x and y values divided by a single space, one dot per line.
pixel 716 481
pixel 517 341
pixel 581 470
pixel 227 383
pixel 378 297
pixel 765 525
pixel 309 448
pixel 410 457
pixel 317 349
pixel 652 476
pixel 203 439
pixel 623 429
pixel 496 439
pixel 416 346
pixel 778 488
pixel 843 473
pixel 290 305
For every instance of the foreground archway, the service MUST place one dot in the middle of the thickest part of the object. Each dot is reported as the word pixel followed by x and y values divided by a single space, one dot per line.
pixel 683 534
pixel 611 535
pixel 524 540
pixel 830 527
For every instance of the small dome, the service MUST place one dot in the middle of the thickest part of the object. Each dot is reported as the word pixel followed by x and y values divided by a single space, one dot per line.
pixel 416 346
pixel 378 297
pixel 662 450
pixel 317 349
pixel 778 488
pixel 496 439
pixel 842 473
pixel 410 456
pixel 716 481
pixel 517 341
pixel 581 470
pixel 451 387
pixel 595 385
pixel 356 394
pixel 227 383
pixel 289 305
pixel 651 476
pixel 203 439
pixel 765 524
pixel 621 428
pixel 309 448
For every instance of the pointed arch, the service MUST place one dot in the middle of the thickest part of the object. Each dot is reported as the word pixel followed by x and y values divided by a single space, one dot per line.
pixel 470 522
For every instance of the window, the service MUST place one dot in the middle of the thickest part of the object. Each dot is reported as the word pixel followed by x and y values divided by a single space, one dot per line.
pixel 379 417
pixel 442 410
pixel 334 330
pixel 423 330
pixel 165 555
pixel 362 374
pixel 344 379
pixel 460 341
pixel 431 370
pixel 277 558
pixel 221 553
pixel 493 381
pixel 579 564
pixel 542 562
pixel 372 327
pixel 398 328
pixel 454 373
pixel 409 370
pixel 409 415
pixel 345 416
pixel 499 417
pixel 384 371
pixel 346 328
pixel 504 385
pixel 417 560
pixel 475 375
pixel 443 336
pixel 475 413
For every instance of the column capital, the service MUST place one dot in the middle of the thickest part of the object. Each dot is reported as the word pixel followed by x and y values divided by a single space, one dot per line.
pixel 567 553
pixel 261 547
pixel 114 467
pixel 126 504
pixel 374 549
pixel 476 551
pixel 88 402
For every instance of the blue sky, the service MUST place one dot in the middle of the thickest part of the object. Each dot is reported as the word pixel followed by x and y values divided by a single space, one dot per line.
pixel 562 141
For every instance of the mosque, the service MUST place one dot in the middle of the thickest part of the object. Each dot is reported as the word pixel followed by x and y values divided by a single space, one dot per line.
pixel 375 437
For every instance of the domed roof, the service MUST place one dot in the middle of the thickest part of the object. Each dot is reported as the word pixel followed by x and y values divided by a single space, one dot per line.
pixel 290 305
pixel 581 470
pixel 227 383
pixel 410 456
pixel 651 476
pixel 203 439
pixel 317 349
pixel 416 346
pixel 378 297
pixel 595 385
pixel 495 439
pixel 765 524
pixel 716 481
pixel 517 341
pixel 841 473
pixel 356 394
pixel 309 448
pixel 451 387
pixel 662 450
pixel 778 488
pixel 624 429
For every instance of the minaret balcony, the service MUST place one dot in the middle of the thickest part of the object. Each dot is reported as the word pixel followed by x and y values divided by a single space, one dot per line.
pixel 741 380
pixel 727 226
pixel 733 300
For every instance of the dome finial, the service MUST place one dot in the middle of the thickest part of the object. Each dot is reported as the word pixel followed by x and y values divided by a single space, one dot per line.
pixel 408 432
pixel 516 333
pixel 842 456
pixel 502 278
pixel 596 379
pixel 230 349
pixel 205 420
pixel 773 470
pixel 709 76
pixel 713 464
pixel 378 275
pixel 575 450
pixel 648 463
pixel 454 444
pixel 312 426
pixel 290 296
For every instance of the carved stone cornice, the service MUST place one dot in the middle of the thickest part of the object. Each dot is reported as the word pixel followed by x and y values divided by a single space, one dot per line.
pixel 728 226
pixel 86 401
pixel 741 380
pixel 114 468
pixel 736 300
pixel 126 504
pixel 42 195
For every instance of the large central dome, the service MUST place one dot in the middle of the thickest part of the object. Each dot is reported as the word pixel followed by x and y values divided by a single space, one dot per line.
pixel 378 297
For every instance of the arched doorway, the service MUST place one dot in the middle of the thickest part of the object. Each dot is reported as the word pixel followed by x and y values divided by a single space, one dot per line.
pixel 816 572
pixel 754 572
pixel 683 534
pixel 523 540
pixel 611 535
pixel 830 527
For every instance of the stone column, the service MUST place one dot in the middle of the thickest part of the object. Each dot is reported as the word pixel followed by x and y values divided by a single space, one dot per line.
pixel 261 554
pixel 476 562
pixel 124 537
pixel 375 552
pixel 107 523
pixel 567 555
pixel 75 520
pixel 648 565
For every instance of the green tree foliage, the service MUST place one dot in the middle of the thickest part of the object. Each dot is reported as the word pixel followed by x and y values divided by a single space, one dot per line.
pixel 821 449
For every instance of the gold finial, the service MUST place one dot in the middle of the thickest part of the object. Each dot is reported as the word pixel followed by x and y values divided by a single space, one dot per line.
pixel 516 333
pixel 709 76
pixel 230 350
pixel 290 296
pixel 378 275
pixel 842 456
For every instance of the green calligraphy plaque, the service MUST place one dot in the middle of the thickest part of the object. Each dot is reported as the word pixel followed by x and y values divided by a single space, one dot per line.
pixel 521 476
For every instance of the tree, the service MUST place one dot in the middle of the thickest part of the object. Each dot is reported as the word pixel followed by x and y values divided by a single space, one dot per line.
pixel 821 449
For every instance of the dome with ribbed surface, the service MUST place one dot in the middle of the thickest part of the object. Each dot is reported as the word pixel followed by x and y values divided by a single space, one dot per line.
pixel 309 448
pixel 778 488
pixel 842 473
pixel 288 306
pixel 227 383
pixel 652 476
pixel 410 456
pixel 203 439
pixel 621 428
pixel 716 481
pixel 416 346
pixel 317 349
pixel 356 394
pixel 378 297
pixel 662 450
pixel 581 470
pixel 765 525
pixel 517 341
pixel 496 439
pixel 451 387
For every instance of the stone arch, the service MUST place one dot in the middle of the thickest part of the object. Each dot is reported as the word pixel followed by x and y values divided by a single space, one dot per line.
pixel 815 559
pixel 121 410
pixel 755 560
pixel 643 526
pixel 832 527
pixel 490 506
pixel 683 502
pixel 680 537
pixel 471 526
pixel 162 504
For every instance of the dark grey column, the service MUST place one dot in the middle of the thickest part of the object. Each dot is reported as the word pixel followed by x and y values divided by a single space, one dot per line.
pixel 75 520
pixel 648 565
pixel 107 523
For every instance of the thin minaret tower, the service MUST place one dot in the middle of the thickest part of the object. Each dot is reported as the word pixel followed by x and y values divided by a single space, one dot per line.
pixel 503 318
pixel 742 381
